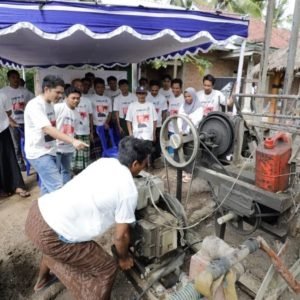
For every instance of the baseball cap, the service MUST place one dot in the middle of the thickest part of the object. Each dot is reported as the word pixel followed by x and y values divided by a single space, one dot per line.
pixel 141 90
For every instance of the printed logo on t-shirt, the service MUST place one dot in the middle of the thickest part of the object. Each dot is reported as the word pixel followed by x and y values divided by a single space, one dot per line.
pixel 48 138
pixel 102 110
pixel 207 109
pixel 67 129
pixel 83 114
pixel 173 112
pixel 142 120
pixel 125 109
pixel 18 107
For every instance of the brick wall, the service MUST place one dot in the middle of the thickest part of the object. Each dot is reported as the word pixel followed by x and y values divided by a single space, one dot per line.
pixel 219 68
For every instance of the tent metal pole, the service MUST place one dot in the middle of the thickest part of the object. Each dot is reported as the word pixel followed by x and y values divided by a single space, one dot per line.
pixel 134 76
pixel 240 71
pixel 23 74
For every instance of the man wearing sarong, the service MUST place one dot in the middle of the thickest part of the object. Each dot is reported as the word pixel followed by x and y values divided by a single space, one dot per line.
pixel 64 223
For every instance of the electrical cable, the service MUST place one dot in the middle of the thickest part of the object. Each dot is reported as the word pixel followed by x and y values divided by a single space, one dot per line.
pixel 167 174
pixel 190 185
pixel 208 215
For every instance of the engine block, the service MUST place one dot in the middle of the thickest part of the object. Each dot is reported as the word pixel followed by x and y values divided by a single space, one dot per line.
pixel 154 234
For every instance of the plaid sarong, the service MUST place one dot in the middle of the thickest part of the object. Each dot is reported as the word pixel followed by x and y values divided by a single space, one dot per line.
pixel 95 148
pixel 85 269
pixel 81 158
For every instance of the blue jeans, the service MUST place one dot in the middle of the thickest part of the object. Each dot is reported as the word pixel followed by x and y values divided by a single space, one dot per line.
pixel 63 162
pixel 48 173
pixel 170 149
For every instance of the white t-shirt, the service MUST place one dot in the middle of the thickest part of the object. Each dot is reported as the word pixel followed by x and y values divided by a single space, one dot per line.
pixel 18 98
pixel 121 104
pixel 112 94
pixel 84 109
pixel 196 117
pixel 167 93
pixel 66 122
pixel 101 195
pixel 5 106
pixel 30 94
pixel 101 108
pixel 160 104
pixel 211 102
pixel 142 117
pixel 38 114
pixel 174 105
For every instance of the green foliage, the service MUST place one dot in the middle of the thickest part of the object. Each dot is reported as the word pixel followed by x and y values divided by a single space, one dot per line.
pixel 29 78
pixel 3 77
pixel 201 63
pixel 157 64
pixel 279 13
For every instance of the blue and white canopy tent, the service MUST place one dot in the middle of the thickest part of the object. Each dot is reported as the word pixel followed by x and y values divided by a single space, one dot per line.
pixel 47 33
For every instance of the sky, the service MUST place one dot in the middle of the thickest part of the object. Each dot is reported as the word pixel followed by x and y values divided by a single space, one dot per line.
pixel 290 8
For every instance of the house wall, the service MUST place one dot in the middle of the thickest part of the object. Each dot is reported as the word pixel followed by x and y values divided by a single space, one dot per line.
pixel 220 68
pixel 190 73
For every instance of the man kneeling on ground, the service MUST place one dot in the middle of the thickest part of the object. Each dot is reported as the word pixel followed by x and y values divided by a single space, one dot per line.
pixel 63 223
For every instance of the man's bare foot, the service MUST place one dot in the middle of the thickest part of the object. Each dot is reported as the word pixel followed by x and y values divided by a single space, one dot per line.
pixel 45 282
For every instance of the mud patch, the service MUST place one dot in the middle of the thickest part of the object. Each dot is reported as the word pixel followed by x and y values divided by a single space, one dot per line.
pixel 17 275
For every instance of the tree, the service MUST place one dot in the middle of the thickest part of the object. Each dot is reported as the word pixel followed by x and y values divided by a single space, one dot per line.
pixel 280 19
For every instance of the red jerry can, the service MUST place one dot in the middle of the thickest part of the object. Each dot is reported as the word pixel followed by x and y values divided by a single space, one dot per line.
pixel 272 167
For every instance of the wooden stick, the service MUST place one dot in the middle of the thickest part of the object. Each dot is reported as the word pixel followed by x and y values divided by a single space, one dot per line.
pixel 280 267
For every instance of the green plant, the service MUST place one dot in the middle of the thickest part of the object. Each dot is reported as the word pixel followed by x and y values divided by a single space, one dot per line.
pixel 201 63
pixel 29 78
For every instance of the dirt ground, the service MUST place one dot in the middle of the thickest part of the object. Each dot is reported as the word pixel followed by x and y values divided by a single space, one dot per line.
pixel 19 259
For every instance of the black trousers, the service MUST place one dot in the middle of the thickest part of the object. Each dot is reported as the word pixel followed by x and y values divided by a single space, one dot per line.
pixel 16 137
pixel 10 174
pixel 157 148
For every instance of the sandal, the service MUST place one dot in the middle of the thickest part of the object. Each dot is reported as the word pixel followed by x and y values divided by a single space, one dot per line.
pixel 22 193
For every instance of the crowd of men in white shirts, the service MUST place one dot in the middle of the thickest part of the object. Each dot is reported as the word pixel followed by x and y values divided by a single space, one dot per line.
pixel 59 128
pixel 86 103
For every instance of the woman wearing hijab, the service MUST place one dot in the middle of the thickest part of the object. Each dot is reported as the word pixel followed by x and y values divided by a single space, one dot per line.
pixel 193 110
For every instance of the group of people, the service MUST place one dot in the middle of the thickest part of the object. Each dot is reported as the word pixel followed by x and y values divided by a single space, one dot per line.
pixel 60 130
pixel 73 113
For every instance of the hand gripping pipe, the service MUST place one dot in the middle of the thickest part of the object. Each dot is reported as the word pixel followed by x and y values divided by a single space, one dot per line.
pixel 214 270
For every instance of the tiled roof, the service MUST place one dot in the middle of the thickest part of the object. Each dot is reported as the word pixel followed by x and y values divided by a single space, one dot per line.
pixel 280 37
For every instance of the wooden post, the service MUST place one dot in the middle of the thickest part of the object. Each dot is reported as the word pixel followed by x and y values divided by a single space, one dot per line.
pixel 175 69
pixel 288 79
pixel 265 54
pixel 273 101
pixel 289 73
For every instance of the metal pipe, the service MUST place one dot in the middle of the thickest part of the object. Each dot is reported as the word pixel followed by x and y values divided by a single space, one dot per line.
pixel 272 115
pixel 240 72
pixel 226 218
pixel 279 97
